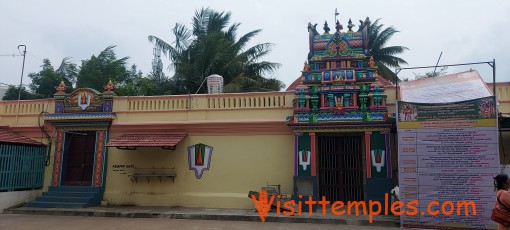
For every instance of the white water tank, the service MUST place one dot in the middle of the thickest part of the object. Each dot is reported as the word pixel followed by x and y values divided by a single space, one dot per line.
pixel 215 84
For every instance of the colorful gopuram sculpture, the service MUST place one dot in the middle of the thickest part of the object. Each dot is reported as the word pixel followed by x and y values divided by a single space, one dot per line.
pixel 340 102
pixel 339 79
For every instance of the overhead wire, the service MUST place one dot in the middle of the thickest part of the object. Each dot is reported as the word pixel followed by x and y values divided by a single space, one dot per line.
pixel 34 56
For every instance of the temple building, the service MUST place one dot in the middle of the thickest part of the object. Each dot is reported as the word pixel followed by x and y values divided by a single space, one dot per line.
pixel 341 125
pixel 332 133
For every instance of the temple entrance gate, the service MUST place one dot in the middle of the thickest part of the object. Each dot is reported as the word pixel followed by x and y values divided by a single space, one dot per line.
pixel 341 121
pixel 340 168
pixel 79 158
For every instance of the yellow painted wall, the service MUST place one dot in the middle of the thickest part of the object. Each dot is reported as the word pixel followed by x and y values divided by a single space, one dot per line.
pixel 239 164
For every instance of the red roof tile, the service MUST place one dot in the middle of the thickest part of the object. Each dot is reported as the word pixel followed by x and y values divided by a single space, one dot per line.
pixel 8 136
pixel 146 140
pixel 384 81
pixel 294 84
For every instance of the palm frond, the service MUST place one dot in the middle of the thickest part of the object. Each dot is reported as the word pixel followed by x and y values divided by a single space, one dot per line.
pixel 232 31
pixel 167 49
pixel 383 37
pixel 261 67
pixel 218 21
pixel 182 37
pixel 232 87
pixel 384 56
pixel 391 50
pixel 257 51
pixel 201 21
pixel 243 40
pixel 386 73
pixel 211 47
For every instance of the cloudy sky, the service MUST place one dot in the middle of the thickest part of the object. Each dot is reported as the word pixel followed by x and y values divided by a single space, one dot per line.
pixel 465 31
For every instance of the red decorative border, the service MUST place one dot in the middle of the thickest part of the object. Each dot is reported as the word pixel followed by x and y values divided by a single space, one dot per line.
pixel 312 146
pixel 98 168
pixel 58 159
pixel 367 154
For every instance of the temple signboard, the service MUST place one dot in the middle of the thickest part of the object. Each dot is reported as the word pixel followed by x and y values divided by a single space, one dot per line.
pixel 448 153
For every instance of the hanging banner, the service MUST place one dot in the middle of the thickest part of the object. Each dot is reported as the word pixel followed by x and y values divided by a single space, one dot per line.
pixel 445 89
pixel 448 153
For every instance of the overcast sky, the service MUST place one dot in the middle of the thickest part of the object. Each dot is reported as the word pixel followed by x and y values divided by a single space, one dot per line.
pixel 465 31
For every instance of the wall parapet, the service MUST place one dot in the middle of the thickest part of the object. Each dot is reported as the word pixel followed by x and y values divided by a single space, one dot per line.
pixel 204 102
pixel 243 106
pixel 26 112
pixel 25 107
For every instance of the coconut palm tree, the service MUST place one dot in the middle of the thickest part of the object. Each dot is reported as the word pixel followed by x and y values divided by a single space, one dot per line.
pixel 212 47
pixel 384 55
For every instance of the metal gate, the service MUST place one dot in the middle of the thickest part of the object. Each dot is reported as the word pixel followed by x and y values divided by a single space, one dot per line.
pixel 21 167
pixel 340 168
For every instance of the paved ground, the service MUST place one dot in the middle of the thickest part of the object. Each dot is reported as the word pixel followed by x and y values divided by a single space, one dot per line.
pixel 44 222
pixel 206 214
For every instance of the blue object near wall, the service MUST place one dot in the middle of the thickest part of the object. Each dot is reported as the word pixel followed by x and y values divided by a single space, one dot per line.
pixel 376 189
pixel 21 167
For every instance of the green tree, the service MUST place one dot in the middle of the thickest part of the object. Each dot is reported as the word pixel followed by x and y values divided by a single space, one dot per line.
pixel 13 91
pixel 137 85
pixel 247 84
pixel 133 74
pixel 69 70
pixel 97 71
pixel 212 47
pixel 44 82
pixel 385 56
pixel 143 87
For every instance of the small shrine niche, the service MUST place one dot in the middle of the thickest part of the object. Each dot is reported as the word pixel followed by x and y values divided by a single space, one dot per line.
pixel 84 100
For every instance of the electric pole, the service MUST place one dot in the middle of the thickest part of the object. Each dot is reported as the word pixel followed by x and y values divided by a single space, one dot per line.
pixel 21 81
pixel 22 68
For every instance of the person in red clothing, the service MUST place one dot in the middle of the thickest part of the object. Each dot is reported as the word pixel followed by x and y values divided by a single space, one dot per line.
pixel 502 184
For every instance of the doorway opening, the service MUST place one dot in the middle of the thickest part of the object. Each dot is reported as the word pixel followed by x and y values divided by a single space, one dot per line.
pixel 79 152
pixel 340 168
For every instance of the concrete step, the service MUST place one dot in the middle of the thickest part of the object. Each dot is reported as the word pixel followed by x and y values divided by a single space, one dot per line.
pixel 68 197
pixel 65 199
pixel 72 194
pixel 73 189
pixel 39 204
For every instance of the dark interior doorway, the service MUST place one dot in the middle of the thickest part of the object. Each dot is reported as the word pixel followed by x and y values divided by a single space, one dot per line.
pixel 79 158
pixel 340 168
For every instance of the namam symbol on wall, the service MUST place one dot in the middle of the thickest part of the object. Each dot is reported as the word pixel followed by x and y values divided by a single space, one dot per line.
pixel 304 158
pixel 199 157
pixel 377 157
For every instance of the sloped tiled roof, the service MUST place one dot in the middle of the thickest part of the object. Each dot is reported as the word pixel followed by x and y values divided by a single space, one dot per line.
pixel 8 136
pixel 384 82
pixel 146 140
pixel 294 84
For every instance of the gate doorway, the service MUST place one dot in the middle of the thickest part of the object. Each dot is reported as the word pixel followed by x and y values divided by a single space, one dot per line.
pixel 79 153
pixel 340 168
